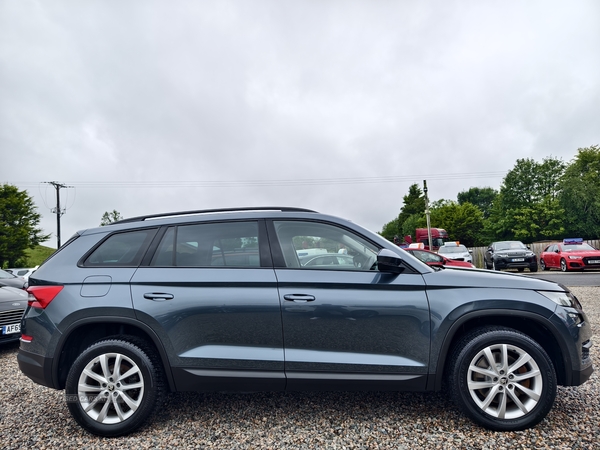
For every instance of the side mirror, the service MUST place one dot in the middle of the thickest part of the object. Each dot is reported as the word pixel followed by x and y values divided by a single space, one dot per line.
pixel 436 264
pixel 471 251
pixel 490 249
pixel 389 262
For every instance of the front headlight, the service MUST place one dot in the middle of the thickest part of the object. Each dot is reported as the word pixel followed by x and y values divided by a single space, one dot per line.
pixel 562 298
pixel 530 254
pixel 574 257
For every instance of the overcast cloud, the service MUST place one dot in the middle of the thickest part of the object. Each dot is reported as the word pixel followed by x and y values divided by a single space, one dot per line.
pixel 338 106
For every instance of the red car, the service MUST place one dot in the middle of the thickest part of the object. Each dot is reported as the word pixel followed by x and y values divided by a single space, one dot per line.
pixel 433 259
pixel 571 254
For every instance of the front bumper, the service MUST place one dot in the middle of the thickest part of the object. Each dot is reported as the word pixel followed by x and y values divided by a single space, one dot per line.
pixel 515 262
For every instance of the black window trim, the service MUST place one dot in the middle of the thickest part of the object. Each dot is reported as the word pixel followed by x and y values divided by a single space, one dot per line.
pixel 142 250
pixel 264 250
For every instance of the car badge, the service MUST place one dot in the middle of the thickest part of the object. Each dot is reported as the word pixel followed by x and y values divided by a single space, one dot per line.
pixel 16 304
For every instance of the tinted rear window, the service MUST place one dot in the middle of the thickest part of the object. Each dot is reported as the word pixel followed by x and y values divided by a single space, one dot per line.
pixel 121 249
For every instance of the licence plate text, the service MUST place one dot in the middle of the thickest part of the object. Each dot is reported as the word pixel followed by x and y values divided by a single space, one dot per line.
pixel 11 329
pixel 518 259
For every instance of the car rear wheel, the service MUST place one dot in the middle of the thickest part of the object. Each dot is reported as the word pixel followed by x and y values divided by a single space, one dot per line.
pixel 114 385
pixel 502 379
pixel 563 265
pixel 543 265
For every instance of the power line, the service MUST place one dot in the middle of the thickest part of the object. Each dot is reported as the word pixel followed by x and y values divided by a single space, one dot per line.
pixel 261 183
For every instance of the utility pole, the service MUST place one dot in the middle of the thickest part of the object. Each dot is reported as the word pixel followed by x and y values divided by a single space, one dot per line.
pixel 427 215
pixel 59 212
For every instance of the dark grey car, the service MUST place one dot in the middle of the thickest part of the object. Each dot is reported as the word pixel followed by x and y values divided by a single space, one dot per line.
pixel 510 255
pixel 13 302
pixel 218 300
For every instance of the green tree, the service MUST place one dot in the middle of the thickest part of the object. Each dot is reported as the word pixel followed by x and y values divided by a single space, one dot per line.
pixel 414 203
pixel 19 226
pixel 580 194
pixel 390 230
pixel 413 222
pixel 483 198
pixel 110 217
pixel 463 223
pixel 526 207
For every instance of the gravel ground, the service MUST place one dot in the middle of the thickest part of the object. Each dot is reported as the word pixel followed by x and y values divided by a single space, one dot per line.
pixel 32 416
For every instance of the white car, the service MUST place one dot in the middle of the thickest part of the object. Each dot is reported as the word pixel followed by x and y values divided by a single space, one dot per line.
pixel 22 273
pixel 456 251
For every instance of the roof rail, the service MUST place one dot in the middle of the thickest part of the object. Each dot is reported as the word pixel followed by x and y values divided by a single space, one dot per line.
pixel 208 211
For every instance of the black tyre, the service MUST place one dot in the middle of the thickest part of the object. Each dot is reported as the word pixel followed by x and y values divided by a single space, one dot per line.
pixel 114 385
pixel 543 265
pixel 563 265
pixel 533 268
pixel 494 267
pixel 502 379
pixel 521 269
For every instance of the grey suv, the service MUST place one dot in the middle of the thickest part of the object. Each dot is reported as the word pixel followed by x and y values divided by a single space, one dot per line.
pixel 510 255
pixel 220 300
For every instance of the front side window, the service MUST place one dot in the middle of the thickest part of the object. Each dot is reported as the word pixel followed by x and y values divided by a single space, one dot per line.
pixel 229 244
pixel 312 245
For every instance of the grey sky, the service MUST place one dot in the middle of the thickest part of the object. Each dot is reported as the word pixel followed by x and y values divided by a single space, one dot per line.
pixel 336 106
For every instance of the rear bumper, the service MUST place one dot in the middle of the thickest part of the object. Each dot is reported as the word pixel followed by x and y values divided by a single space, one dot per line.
pixel 36 367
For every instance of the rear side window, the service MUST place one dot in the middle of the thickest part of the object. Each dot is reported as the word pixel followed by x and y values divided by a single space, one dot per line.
pixel 230 244
pixel 121 249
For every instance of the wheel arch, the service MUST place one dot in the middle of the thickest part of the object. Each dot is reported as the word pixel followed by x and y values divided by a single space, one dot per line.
pixel 530 324
pixel 83 333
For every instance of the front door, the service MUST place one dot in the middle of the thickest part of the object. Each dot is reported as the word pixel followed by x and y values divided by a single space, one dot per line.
pixel 348 325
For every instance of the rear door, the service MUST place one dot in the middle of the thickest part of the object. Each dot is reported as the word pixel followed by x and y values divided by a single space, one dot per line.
pixel 348 326
pixel 210 294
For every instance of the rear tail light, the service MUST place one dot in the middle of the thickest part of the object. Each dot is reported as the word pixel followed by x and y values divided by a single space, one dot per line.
pixel 26 338
pixel 41 296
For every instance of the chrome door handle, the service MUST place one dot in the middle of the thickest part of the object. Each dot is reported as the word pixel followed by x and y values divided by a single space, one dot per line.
pixel 158 296
pixel 299 298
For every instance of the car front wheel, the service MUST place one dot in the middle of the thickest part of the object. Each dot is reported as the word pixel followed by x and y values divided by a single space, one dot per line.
pixel 502 379
pixel 563 265
pixel 113 386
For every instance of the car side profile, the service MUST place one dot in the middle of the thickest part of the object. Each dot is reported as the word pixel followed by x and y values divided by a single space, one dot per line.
pixel 510 255
pixel 220 300
pixel 571 254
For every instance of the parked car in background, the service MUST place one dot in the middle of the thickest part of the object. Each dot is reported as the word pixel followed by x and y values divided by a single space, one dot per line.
pixel 456 251
pixel 570 254
pixel 8 279
pixel 22 273
pixel 510 255
pixel 437 260
pixel 122 313
pixel 13 302
pixel 327 260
